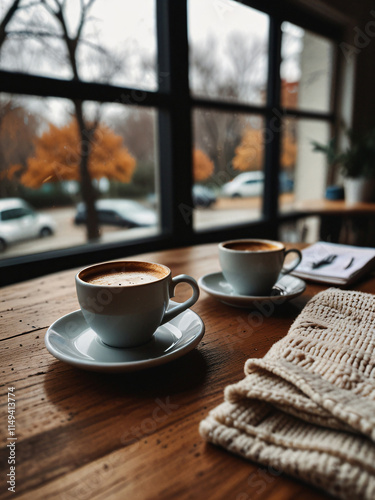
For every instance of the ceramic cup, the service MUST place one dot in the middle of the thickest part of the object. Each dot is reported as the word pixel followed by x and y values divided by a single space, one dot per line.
pixel 125 302
pixel 252 266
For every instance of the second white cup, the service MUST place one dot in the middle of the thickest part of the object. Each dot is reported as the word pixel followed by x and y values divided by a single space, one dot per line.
pixel 252 266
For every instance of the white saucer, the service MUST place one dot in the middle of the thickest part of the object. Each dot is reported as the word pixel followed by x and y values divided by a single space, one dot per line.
pixel 71 340
pixel 287 287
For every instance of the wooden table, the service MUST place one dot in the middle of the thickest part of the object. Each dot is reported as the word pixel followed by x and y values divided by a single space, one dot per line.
pixel 131 436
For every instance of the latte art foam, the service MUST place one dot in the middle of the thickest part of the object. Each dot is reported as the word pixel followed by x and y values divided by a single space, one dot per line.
pixel 125 278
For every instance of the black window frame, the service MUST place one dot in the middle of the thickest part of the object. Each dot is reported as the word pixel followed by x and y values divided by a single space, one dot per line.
pixel 175 106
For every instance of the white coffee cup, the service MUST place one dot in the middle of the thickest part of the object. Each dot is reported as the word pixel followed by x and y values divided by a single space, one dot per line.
pixel 252 266
pixel 125 302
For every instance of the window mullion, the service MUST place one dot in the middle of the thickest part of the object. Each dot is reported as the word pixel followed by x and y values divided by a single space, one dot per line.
pixel 175 136
pixel 273 126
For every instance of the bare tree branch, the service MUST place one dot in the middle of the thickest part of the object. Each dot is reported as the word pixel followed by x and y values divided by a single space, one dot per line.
pixel 84 11
pixel 40 32
pixel 27 6
pixel 48 7
pixel 29 33
pixel 8 16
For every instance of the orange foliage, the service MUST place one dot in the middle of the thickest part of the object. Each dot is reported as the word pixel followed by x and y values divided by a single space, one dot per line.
pixel 289 94
pixel 57 156
pixel 17 133
pixel 250 152
pixel 288 151
pixel 203 167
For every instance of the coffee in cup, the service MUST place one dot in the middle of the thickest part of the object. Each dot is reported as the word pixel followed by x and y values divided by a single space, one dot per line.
pixel 125 302
pixel 252 266
pixel 252 246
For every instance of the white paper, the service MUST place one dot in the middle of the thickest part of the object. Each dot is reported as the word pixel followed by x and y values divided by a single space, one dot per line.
pixel 349 262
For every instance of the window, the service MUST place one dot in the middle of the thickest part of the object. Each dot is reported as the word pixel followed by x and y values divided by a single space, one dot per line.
pixel 114 48
pixel 307 75
pixel 228 51
pixel 14 213
pixel 306 69
pixel 227 147
pixel 169 105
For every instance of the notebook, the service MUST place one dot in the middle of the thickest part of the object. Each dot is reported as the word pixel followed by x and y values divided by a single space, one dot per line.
pixel 348 265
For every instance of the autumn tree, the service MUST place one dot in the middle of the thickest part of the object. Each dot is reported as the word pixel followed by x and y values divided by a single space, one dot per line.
pixel 86 130
pixel 17 132
pixel 288 150
pixel 137 127
pixel 51 26
pixel 8 16
pixel 249 153
pixel 218 133
pixel 203 167
pixel 57 156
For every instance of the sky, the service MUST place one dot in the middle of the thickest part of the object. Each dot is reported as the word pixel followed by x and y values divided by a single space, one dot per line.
pixel 127 29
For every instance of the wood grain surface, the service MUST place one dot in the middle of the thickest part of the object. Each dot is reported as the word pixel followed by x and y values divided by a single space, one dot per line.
pixel 84 435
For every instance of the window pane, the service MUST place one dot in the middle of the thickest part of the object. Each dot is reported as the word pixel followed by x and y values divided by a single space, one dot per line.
pixel 228 51
pixel 40 162
pixel 117 44
pixel 303 174
pixel 306 69
pixel 228 160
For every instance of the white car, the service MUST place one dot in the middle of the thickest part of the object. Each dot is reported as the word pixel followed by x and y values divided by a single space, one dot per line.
pixel 252 184
pixel 18 221
pixel 245 184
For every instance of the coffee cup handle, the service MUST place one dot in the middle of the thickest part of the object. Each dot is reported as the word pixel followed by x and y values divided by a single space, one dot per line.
pixel 287 270
pixel 181 278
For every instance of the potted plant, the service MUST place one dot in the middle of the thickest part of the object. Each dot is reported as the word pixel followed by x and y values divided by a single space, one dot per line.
pixel 356 162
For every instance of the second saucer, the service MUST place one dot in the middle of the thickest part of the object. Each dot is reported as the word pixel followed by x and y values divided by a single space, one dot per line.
pixel 286 288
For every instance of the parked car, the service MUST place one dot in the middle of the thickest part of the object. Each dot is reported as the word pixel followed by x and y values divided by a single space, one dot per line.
pixel 19 221
pixel 252 184
pixel 244 185
pixel 203 196
pixel 123 213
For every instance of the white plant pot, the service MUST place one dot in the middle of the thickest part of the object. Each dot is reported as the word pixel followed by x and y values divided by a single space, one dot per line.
pixel 359 189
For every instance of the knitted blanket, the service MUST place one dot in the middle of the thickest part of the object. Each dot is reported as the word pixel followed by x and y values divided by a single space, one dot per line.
pixel 308 407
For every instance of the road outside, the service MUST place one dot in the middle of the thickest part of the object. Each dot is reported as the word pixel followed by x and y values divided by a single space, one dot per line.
pixel 224 212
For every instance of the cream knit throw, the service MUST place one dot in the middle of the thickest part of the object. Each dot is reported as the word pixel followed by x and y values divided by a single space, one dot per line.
pixel 308 407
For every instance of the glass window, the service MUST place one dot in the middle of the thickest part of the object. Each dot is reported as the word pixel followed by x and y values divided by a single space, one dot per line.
pixel 228 160
pixel 40 147
pixel 228 51
pixel 306 69
pixel 53 151
pixel 303 175
pixel 117 44
pixel 303 172
pixel 14 213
